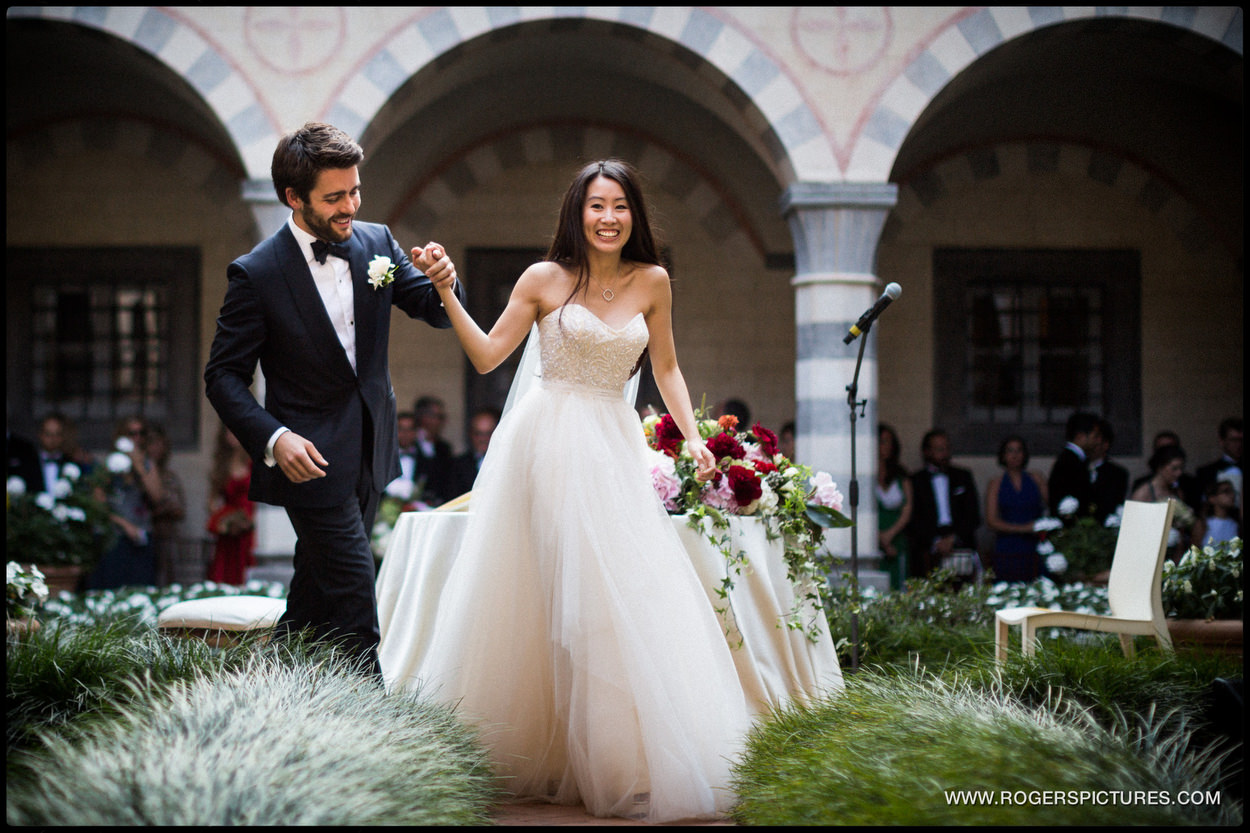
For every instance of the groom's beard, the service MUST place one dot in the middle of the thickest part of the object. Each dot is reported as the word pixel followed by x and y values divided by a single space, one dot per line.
pixel 324 229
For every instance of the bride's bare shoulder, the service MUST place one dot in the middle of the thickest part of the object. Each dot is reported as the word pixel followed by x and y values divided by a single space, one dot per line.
pixel 545 283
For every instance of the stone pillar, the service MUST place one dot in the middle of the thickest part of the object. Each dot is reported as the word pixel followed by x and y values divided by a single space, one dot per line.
pixel 268 213
pixel 275 537
pixel 836 228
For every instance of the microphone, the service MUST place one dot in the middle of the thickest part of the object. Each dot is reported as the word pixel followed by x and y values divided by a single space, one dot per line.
pixel 892 291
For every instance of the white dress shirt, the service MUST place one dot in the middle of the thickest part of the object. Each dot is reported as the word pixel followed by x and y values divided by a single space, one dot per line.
pixel 334 284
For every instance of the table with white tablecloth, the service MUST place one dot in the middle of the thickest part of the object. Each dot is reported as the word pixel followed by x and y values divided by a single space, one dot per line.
pixel 774 662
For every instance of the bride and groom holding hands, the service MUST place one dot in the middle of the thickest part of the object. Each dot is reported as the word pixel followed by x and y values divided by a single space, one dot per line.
pixel 572 627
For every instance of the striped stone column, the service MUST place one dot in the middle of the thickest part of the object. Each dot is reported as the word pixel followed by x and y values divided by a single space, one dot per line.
pixel 836 227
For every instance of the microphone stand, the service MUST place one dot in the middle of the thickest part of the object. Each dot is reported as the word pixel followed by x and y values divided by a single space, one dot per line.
pixel 857 409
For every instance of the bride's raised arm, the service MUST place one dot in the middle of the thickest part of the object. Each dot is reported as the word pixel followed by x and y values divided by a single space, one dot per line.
pixel 488 350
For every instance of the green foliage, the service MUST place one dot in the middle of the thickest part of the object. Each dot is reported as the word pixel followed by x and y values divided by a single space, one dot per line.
pixel 929 619
pixel 895 749
pixel 1088 547
pixel 1206 583
pixel 63 675
pixel 281 740
pixel 67 526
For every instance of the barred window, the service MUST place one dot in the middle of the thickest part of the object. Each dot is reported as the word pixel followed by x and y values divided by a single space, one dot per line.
pixel 101 334
pixel 1026 337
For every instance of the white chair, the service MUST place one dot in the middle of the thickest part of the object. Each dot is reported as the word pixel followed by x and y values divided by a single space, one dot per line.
pixel 220 620
pixel 1134 589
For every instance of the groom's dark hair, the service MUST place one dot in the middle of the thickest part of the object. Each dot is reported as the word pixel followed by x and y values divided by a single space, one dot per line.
pixel 303 154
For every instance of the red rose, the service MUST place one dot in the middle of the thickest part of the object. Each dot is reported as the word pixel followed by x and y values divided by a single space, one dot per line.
pixel 767 439
pixel 763 467
pixel 723 445
pixel 668 437
pixel 745 485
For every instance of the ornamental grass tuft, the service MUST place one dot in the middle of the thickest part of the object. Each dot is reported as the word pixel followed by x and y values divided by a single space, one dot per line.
pixel 275 742
pixel 914 749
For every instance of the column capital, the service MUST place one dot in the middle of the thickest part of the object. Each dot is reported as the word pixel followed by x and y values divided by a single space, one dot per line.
pixel 870 195
pixel 268 212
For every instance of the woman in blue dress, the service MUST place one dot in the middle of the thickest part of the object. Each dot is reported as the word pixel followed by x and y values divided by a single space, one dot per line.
pixel 1013 501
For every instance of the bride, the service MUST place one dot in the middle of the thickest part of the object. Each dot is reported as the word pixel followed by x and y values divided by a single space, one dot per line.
pixel 572 628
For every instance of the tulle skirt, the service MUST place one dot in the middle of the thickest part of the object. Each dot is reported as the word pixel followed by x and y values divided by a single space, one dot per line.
pixel 573 630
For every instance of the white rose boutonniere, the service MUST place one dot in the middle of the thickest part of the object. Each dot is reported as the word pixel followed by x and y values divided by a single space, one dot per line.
pixel 381 271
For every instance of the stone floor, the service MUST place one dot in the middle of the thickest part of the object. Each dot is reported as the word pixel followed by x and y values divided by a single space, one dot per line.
pixel 541 814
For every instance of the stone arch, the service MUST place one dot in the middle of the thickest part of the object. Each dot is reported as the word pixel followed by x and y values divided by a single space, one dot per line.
pixel 774 105
pixel 969 37
pixel 1135 183
pixel 176 154
pixel 185 50
pixel 698 193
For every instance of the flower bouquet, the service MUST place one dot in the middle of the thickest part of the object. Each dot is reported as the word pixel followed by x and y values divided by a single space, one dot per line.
pixel 400 496
pixel 753 479
pixel 68 525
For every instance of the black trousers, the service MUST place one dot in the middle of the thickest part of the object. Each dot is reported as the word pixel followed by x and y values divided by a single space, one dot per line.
pixel 332 591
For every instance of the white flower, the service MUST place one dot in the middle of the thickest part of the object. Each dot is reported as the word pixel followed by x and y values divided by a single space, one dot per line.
pixel 45 501
pixel 381 271
pixel 62 488
pixel 1056 563
pixel 71 472
pixel 1069 505
pixel 1174 537
pixel 118 462
pixel 125 445
pixel 1045 548
pixel 15 486
pixel 1047 524
pixel 400 488
pixel 1113 520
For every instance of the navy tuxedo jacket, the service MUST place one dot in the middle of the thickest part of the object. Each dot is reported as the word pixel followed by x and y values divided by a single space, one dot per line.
pixel 273 315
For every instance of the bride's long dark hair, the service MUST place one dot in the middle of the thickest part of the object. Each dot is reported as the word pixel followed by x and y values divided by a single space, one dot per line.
pixel 569 247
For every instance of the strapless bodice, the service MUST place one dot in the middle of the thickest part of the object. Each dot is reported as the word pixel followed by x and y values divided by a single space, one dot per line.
pixel 581 352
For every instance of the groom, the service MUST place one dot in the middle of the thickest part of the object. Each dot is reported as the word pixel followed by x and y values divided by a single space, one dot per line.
pixel 307 305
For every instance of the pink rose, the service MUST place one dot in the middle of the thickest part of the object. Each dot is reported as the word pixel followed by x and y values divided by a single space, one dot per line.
pixel 826 491
pixel 665 480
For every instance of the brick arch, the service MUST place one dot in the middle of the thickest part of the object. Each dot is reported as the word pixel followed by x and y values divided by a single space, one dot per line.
pixel 1043 157
pixel 774 105
pixel 186 51
pixel 967 38
pixel 664 171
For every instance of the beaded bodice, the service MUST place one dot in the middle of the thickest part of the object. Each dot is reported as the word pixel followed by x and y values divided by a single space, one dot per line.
pixel 580 351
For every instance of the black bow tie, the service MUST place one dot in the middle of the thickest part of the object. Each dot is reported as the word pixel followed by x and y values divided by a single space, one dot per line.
pixel 322 250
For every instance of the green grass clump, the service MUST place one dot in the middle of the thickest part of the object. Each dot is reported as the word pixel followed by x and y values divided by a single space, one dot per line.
pixel 894 749
pixel 277 742
pixel 64 675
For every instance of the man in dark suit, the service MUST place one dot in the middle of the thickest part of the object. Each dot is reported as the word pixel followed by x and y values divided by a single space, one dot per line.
pixel 465 467
pixel 945 510
pixel 1231 441
pixel 312 307
pixel 1070 475
pixel 434 454
pixel 1110 478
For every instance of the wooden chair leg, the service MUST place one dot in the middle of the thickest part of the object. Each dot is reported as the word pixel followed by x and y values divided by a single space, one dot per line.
pixel 1126 645
pixel 1002 635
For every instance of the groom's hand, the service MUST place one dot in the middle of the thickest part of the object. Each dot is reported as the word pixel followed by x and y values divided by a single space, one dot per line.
pixel 436 265
pixel 298 458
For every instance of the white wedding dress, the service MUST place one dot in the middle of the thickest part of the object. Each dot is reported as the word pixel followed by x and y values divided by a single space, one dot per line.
pixel 572 628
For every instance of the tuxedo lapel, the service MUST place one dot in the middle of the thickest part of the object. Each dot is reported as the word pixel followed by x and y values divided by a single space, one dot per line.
pixel 307 301
pixel 365 299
